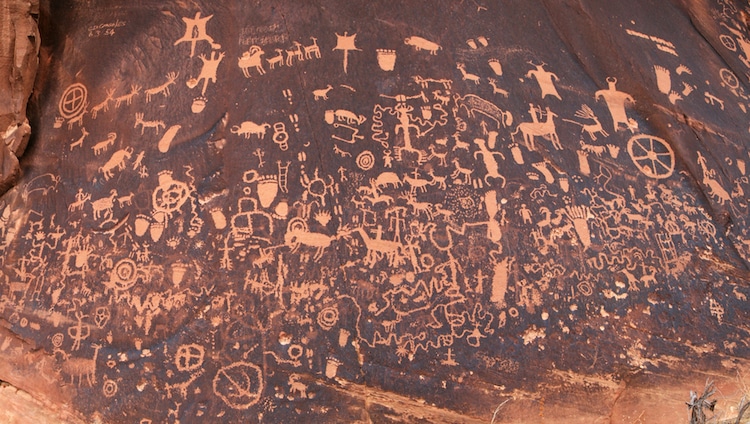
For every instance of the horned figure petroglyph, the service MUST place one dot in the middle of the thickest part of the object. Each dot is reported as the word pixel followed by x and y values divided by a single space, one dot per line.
pixel 294 52
pixel 417 183
pixel 437 179
pixel 81 367
pixel 589 148
pixel 296 386
pixel 417 206
pixel 466 75
pixel 79 142
pixel 104 105
pixel 716 190
pixel 278 59
pixel 585 112
pixel 543 129
pixel 461 171
pixel 102 146
pixel 444 99
pixel 496 89
pixel 252 59
pixel 128 98
pixel 439 156
pixel 312 49
pixel 248 128
pixel 105 204
pixel 147 124
pixel 378 248
pixel 117 161
pixel 297 234
pixel 163 88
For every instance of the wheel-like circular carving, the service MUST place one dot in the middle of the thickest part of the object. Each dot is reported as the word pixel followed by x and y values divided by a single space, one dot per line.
pixel 189 357
pixel 729 78
pixel 728 42
pixel 328 317
pixel 123 275
pixel 652 155
pixel 365 160
pixel 239 385
pixel 707 228
pixel 170 196
pixel 73 101
pixel 109 388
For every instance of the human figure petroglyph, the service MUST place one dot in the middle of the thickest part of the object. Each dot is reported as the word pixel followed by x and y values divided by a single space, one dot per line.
pixel 208 71
pixel 196 31
pixel 346 43
pixel 545 79
pixel 616 101
pixel 81 199
pixel 530 130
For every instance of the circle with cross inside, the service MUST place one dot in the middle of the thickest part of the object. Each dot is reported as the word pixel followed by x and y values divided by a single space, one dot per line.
pixel 73 101
pixel 189 357
pixel 239 384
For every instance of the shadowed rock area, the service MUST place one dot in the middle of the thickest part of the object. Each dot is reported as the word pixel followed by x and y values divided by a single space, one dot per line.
pixel 454 211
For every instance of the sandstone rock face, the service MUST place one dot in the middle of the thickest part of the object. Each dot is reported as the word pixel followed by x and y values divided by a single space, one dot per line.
pixel 454 211
pixel 19 58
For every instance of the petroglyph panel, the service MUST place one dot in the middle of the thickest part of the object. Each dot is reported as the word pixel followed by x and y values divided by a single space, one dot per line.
pixel 249 211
